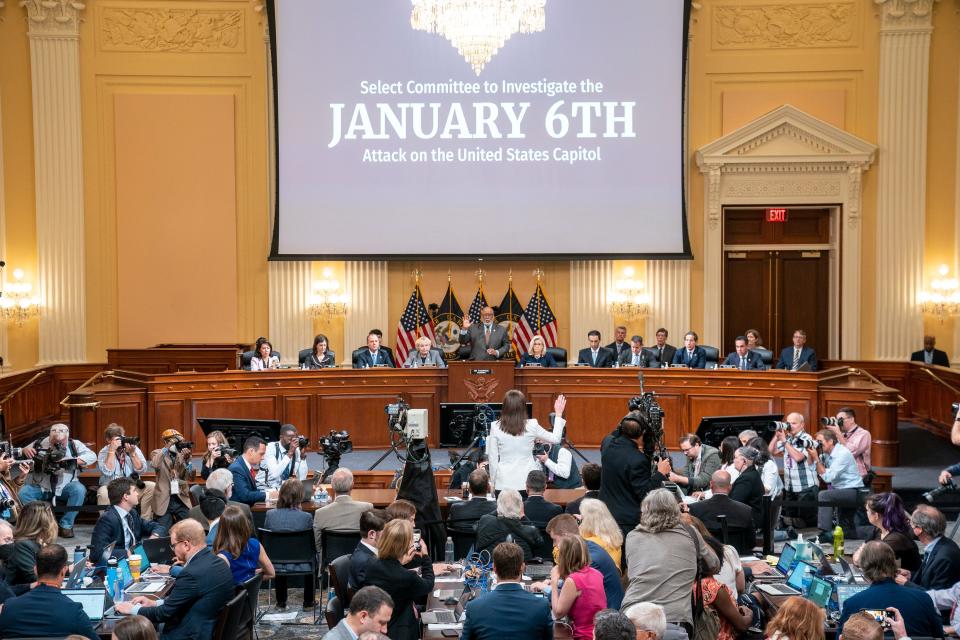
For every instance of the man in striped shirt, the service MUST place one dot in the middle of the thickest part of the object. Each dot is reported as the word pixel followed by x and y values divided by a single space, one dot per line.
pixel 798 449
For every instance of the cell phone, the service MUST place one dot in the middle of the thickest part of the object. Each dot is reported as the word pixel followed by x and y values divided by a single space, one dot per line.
pixel 881 616
pixel 416 539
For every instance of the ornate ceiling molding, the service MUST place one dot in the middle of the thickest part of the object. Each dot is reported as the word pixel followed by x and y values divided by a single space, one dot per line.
pixel 782 26
pixel 171 30
pixel 54 17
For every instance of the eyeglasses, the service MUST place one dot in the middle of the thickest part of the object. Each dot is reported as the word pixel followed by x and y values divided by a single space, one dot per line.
pixel 682 450
pixel 173 545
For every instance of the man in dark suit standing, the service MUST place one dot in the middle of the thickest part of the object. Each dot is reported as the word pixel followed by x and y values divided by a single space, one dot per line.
pixel 637 356
pixel 792 358
pixel 743 358
pixel 662 351
pixel 940 568
pixel 120 523
pixel 508 611
pixel 374 355
pixel 538 509
pixel 595 355
pixel 465 514
pixel 245 469
pixel 691 355
pixel 619 346
pixel 44 612
pixel 739 515
pixel 625 473
pixel 930 354
pixel 200 592
pixel 487 340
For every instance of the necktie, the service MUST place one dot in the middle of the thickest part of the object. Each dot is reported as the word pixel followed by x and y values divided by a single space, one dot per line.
pixel 373 358
pixel 796 359
pixel 253 475
pixel 636 360
pixel 594 358
pixel 130 529
pixel 743 362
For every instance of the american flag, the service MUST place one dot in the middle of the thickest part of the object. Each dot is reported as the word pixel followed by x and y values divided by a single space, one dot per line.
pixel 479 302
pixel 414 322
pixel 510 312
pixel 537 318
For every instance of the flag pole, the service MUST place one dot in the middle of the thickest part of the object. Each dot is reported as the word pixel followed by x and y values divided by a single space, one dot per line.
pixel 416 290
pixel 539 273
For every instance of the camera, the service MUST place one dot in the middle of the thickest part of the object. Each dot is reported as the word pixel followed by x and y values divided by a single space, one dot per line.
pixel 397 415
pixel 7 449
pixel 541 449
pixel 955 407
pixel 651 414
pixel 224 450
pixel 933 494
pixel 7 503
pixel 831 422
pixel 134 440
pixel 303 442
pixel 779 425
pixel 336 444
pixel 52 460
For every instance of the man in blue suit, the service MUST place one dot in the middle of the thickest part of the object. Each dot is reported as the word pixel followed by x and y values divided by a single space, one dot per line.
pixel 245 469
pixel 200 592
pixel 44 612
pixel 120 523
pixel 508 611
pixel 743 358
pixel 595 355
pixel 792 358
pixel 373 355
pixel 691 355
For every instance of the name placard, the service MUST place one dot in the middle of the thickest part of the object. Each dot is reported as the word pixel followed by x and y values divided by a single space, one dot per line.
pixel 481 372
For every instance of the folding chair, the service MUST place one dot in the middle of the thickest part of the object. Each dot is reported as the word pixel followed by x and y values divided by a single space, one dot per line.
pixel 228 622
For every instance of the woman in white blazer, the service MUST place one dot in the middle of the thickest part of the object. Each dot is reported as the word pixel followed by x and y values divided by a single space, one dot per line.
pixel 263 360
pixel 510 444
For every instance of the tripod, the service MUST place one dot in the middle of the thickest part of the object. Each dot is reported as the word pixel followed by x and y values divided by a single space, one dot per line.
pixel 481 428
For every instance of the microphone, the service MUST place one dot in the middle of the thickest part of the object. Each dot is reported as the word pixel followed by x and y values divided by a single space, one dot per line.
pixel 640 378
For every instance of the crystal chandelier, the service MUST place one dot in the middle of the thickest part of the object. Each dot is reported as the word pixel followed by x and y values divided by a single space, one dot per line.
pixel 943 299
pixel 629 300
pixel 327 301
pixel 478 28
pixel 17 303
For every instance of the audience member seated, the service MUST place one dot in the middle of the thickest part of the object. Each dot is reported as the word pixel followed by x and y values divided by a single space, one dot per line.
pixel 930 354
pixel 199 593
pixel 343 514
pixel 595 355
pixel 219 485
pixel 702 461
pixel 538 509
pixel 879 566
pixel 662 558
pixel 214 458
pixel 508 611
pixel 245 470
pixel 235 543
pixel 212 505
pixel 487 340
pixel 610 624
pixel 565 525
pixel 6 552
pixel 636 355
pixel 739 515
pixel 797 619
pixel 396 554
pixel 174 467
pixel 44 612
pixel 581 595
pixel 728 451
pixel 370 610
pixel 133 628
pixel 373 355
pixel 264 358
pixel 120 524
pixel 892 526
pixel 940 567
pixel 597 525
pixel 537 355
pixel 721 590
pixel 401 509
pixel 742 358
pixel 691 355
pixel 35 529
pixel 841 474
pixel 651 623
pixel 476 459
pixel 769 472
pixel 10 487
pixel 795 357
pixel 746 436
pixel 508 521
pixel 320 356
pixel 372 522
pixel 424 355
pixel 748 487
pixel 122 460
pixel 559 466
pixel 590 474
pixel 662 351
pixel 288 516
pixel 284 459
pixel 65 482
pixel 465 514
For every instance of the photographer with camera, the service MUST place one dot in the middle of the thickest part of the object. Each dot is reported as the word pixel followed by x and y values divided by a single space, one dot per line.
pixel 839 470
pixel 219 455
pixel 9 486
pixel 122 458
pixel 855 438
pixel 798 450
pixel 559 465
pixel 57 460
pixel 174 467
pixel 285 459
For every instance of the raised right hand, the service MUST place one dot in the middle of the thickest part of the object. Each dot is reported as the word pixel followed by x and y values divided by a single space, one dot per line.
pixel 466 323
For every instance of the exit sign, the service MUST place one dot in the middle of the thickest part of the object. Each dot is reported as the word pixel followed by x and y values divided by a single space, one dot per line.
pixel 776 215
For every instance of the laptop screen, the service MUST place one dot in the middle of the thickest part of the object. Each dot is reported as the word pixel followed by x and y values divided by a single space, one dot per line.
pixel 820 592
pixel 786 559
pixel 844 591
pixel 800 576
pixel 92 601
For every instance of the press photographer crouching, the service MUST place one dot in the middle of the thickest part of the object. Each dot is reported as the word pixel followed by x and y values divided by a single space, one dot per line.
pixel 57 460
pixel 122 458
pixel 171 496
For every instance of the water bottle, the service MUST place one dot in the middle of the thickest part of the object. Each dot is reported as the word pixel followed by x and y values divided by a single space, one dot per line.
pixel 448 551
pixel 331 594
pixel 323 497
pixel 79 553
pixel 112 578
pixel 837 543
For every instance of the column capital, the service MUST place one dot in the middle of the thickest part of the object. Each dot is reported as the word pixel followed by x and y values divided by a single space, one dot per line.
pixel 54 17
pixel 898 15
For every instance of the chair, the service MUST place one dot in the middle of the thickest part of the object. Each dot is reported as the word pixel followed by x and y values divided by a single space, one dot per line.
pixel 292 547
pixel 713 356
pixel 228 622
pixel 251 614
pixel 741 539
pixel 463 541
pixel 247 356
pixel 356 353
pixel 303 354
pixel 333 612
pixel 766 354
pixel 334 544
pixel 339 571
pixel 545 550
pixel 559 355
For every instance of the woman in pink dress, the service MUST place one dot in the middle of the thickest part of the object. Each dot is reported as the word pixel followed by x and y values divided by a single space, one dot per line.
pixel 582 594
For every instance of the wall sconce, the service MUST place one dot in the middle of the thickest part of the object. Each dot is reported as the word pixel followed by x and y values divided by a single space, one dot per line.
pixel 326 301
pixel 17 303
pixel 943 298
pixel 629 298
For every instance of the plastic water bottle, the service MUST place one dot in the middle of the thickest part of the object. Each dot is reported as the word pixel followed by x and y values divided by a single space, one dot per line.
pixel 448 551
pixel 331 594
pixel 837 543
pixel 113 580
pixel 323 497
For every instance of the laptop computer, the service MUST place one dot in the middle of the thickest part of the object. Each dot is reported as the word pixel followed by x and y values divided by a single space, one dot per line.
pixel 844 591
pixel 820 592
pixel 93 601
pixel 75 577
pixel 446 616
pixel 794 586
pixel 538 571
pixel 158 550
pixel 153 586
pixel 784 564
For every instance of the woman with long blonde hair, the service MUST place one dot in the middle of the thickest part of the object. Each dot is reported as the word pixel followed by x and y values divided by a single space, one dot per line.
pixel 537 354
pixel 597 525
pixel 36 528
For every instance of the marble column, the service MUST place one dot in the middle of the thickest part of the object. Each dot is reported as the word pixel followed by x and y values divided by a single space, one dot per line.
pixel 290 325
pixel 590 284
pixel 668 282
pixel 905 30
pixel 366 284
pixel 54 33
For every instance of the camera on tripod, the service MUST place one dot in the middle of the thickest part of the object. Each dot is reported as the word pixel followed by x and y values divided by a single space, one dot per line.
pixel 412 423
pixel 651 414
pixel 397 415
pixel 933 494
pixel 335 445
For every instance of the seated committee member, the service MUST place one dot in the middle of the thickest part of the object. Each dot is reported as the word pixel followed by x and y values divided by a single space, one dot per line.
pixel 264 359
pixel 370 611
pixel 373 355
pixel 487 340
pixel 930 354
pixel 44 612
pixel 509 611
pixel 691 355
pixel 245 469
pixel 119 460
pixel 424 355
pixel 619 346
pixel 284 458
pixel 537 355
pixel 792 358
pixel 636 355
pixel 121 523
pixel 742 357
pixel 200 592
pixel 662 351
pixel 320 356
pixel 754 341
pixel 595 355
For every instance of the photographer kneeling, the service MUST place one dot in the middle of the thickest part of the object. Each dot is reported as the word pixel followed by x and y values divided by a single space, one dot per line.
pixel 57 460
pixel 122 458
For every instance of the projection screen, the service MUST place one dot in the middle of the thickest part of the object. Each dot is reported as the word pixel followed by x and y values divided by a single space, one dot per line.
pixel 469 128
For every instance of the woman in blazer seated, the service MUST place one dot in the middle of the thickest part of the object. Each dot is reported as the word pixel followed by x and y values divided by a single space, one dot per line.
pixel 424 355
pixel 263 360
pixel 320 357
pixel 510 444
pixel 538 354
